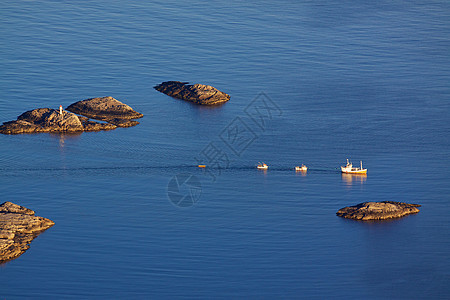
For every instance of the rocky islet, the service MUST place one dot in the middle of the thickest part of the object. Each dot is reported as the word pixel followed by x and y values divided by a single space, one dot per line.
pixel 369 211
pixel 115 113
pixel 105 109
pixel 196 93
pixel 18 227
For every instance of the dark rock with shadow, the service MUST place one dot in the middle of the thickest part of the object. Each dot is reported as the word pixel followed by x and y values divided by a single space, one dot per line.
pixel 95 126
pixel 18 227
pixel 196 93
pixel 378 210
pixel 123 122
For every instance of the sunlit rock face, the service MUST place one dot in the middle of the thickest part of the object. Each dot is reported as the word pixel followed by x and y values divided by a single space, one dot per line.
pixel 378 210
pixel 196 93
pixel 18 227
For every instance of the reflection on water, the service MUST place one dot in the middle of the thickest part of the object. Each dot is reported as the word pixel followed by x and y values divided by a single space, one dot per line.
pixel 302 173
pixel 63 136
pixel 202 108
pixel 263 171
pixel 349 179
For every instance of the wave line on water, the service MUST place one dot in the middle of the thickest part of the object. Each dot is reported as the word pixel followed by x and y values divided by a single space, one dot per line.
pixel 180 167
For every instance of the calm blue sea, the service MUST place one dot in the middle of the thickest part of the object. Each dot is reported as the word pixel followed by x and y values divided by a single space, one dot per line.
pixel 311 82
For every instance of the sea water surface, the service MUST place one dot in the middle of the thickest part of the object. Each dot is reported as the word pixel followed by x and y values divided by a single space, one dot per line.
pixel 311 82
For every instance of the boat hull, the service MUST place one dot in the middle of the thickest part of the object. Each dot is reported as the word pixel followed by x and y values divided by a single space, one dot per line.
pixel 364 171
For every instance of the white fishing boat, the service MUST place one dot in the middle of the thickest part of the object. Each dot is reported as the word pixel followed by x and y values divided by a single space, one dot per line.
pixel 349 169
pixel 303 168
pixel 262 166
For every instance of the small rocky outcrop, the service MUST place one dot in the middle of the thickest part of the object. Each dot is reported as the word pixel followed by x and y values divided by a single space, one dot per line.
pixel 108 109
pixel 197 93
pixel 43 120
pixel 18 227
pixel 378 210
pixel 105 109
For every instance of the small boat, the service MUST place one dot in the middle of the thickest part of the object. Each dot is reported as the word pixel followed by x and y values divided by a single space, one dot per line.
pixel 349 169
pixel 262 166
pixel 202 166
pixel 303 168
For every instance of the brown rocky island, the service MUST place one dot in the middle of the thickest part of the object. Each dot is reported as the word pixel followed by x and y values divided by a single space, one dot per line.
pixel 18 227
pixel 196 93
pixel 378 210
pixel 108 109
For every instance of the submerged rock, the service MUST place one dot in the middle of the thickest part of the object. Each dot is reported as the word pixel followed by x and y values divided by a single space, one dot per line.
pixel 18 227
pixel 123 122
pixel 104 108
pixel 378 210
pixel 95 126
pixel 197 93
